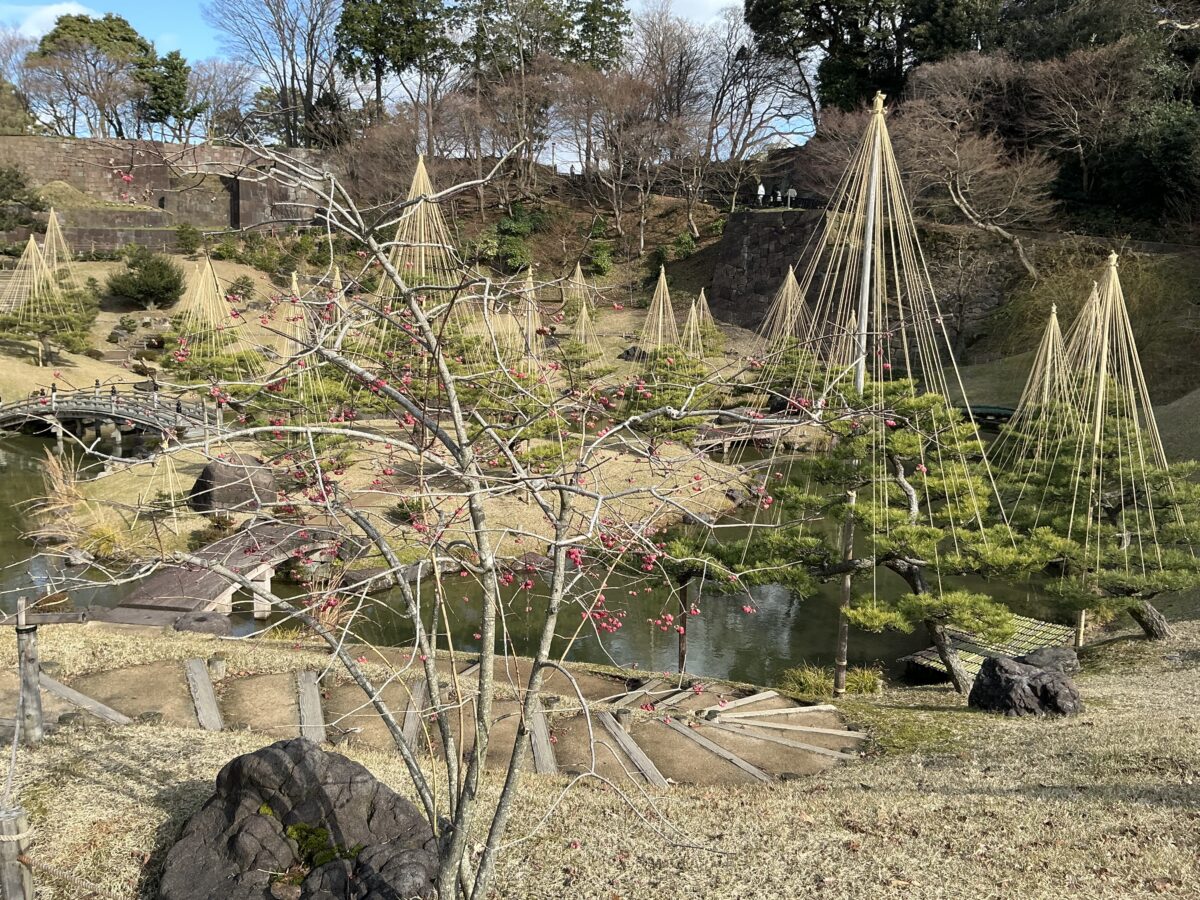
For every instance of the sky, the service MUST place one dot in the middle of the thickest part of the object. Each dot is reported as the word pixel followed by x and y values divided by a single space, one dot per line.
pixel 176 25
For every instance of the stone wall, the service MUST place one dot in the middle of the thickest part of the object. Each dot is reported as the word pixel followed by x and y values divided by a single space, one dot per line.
pixel 165 185
pixel 755 251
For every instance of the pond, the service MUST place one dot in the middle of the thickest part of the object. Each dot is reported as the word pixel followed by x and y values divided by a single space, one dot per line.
pixel 724 641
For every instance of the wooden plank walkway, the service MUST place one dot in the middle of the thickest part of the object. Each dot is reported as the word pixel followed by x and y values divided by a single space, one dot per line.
pixel 741 730
pixel 182 589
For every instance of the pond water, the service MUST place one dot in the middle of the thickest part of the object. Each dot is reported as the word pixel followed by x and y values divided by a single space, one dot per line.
pixel 724 641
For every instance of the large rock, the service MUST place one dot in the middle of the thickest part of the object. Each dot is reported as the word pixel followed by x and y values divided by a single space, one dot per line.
pixel 238 483
pixel 266 818
pixel 1058 659
pixel 1018 689
pixel 205 623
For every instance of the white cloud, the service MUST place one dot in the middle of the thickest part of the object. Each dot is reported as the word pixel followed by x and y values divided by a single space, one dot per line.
pixel 34 21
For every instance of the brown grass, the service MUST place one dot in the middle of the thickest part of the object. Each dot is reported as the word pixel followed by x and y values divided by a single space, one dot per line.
pixel 952 803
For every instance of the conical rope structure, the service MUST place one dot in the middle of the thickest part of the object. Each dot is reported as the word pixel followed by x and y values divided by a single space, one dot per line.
pixel 211 327
pixel 584 333
pixel 693 337
pixel 532 328
pixel 1041 433
pixel 576 294
pixel 57 254
pixel 423 251
pixel 30 286
pixel 1122 486
pixel 162 489
pixel 857 346
pixel 660 329
pixel 786 317
pixel 299 327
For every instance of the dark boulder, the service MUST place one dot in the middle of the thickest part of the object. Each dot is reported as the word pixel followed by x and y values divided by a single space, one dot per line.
pixel 633 353
pixel 1058 659
pixel 1017 689
pixel 238 483
pixel 205 623
pixel 295 808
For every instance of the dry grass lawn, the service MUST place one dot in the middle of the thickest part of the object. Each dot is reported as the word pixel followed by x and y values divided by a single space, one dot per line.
pixel 950 804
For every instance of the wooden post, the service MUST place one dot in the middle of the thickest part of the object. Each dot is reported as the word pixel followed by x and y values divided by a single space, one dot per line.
pixel 31 693
pixel 16 881
pixel 1080 628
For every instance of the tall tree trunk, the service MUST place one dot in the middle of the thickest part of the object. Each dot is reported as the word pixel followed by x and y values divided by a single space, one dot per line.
pixel 949 656
pixel 1153 622
pixel 379 92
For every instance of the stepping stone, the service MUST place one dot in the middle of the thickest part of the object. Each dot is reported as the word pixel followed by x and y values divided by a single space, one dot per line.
pixel 159 687
pixel 265 703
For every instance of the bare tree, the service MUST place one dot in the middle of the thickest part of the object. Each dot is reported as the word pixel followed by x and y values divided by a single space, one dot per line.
pixel 219 91
pixel 1079 104
pixel 291 43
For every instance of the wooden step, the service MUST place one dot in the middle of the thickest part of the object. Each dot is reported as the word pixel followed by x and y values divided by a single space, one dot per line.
pixel 741 701
pixel 784 726
pixel 95 707
pixel 629 747
pixel 417 701
pixel 782 711
pixel 544 761
pixel 784 742
pixel 720 751
pixel 312 717
pixel 208 714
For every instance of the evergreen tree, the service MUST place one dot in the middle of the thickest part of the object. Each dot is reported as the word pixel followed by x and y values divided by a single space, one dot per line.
pixel 600 28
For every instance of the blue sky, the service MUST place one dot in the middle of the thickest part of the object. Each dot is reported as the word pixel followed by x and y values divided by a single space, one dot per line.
pixel 175 25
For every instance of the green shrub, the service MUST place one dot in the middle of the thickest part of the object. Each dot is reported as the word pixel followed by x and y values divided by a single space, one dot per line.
pixel 810 681
pixel 864 680
pixel 600 257
pixel 684 246
pixel 188 238
pixel 717 227
pixel 227 250
pixel 149 279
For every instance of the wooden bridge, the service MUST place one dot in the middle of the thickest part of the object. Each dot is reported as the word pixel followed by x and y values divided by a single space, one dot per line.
pixel 137 409
pixel 254 553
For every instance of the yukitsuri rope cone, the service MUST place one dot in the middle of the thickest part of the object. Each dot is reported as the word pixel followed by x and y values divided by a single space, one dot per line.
pixel 584 333
pixel 210 326
pixel 660 329
pixel 1121 465
pixel 576 295
pixel 423 253
pixel 1046 422
pixel 295 321
pixel 693 336
pixel 162 490
pixel 786 318
pixel 57 254
pixel 533 343
pixel 858 332
pixel 31 283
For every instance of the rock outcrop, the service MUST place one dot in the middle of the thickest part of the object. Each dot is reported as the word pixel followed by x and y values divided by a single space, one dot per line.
pixel 238 483
pixel 1017 688
pixel 293 820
